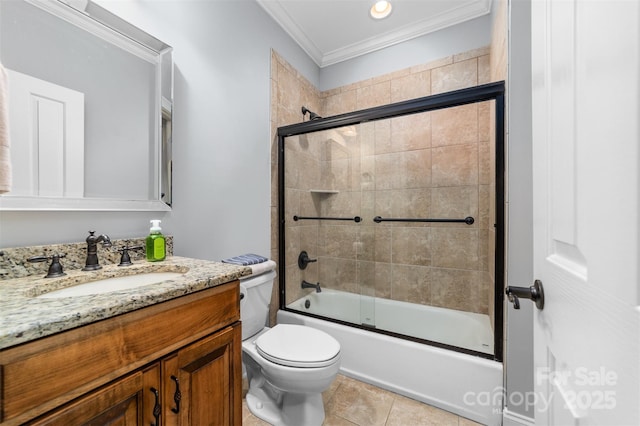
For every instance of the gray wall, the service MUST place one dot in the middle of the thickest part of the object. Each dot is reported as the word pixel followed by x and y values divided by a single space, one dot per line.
pixel 221 133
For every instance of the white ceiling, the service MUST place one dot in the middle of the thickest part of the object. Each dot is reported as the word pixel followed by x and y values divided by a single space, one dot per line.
pixel 332 31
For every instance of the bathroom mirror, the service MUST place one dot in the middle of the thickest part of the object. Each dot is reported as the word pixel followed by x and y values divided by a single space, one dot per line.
pixel 90 104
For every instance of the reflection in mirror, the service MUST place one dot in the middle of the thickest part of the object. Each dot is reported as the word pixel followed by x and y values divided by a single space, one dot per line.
pixel 90 104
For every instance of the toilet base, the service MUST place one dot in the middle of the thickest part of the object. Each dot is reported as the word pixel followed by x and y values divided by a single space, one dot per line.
pixel 283 395
pixel 286 409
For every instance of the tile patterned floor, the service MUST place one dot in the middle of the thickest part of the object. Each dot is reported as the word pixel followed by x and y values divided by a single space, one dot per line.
pixel 349 402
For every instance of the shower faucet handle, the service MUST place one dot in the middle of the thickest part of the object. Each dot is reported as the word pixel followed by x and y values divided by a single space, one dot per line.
pixel 303 260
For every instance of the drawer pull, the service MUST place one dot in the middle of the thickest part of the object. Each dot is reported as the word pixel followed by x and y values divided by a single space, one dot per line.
pixel 156 407
pixel 177 396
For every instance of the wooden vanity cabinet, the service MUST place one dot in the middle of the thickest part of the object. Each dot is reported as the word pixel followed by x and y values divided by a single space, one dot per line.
pixel 128 401
pixel 187 350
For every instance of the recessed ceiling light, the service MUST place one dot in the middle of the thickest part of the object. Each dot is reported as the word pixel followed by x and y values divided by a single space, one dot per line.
pixel 380 9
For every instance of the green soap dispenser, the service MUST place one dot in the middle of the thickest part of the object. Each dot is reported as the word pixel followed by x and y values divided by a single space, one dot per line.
pixel 156 246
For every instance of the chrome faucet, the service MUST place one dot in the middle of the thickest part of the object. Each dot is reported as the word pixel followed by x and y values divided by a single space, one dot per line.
pixel 91 264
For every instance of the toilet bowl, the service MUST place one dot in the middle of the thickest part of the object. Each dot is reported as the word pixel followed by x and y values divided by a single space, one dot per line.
pixel 287 376
pixel 287 366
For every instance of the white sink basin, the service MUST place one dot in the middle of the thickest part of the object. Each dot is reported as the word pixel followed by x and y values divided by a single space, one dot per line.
pixel 109 285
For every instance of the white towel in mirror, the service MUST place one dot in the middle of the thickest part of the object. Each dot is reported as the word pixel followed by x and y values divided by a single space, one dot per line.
pixel 5 153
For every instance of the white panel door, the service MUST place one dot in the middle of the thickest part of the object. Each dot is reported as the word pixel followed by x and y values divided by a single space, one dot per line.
pixel 47 133
pixel 586 96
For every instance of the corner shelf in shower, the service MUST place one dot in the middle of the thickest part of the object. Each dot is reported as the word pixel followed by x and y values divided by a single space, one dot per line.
pixel 324 191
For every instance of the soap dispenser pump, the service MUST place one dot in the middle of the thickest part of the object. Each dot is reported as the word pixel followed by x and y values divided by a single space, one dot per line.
pixel 156 245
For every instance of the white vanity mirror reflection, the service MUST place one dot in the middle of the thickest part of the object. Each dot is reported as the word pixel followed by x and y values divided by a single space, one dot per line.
pixel 90 102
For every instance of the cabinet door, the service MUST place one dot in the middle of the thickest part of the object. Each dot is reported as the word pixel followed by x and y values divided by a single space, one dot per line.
pixel 126 402
pixel 202 383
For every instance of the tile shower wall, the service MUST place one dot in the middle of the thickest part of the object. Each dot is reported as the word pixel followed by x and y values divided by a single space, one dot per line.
pixel 435 164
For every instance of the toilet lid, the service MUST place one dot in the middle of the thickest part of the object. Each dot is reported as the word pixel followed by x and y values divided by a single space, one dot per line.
pixel 298 346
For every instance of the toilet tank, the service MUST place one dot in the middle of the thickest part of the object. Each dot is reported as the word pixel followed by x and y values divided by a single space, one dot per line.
pixel 255 293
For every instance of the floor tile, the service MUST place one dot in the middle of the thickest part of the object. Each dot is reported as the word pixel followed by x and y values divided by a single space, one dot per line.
pixel 360 403
pixel 407 411
pixel 349 402
pixel 467 422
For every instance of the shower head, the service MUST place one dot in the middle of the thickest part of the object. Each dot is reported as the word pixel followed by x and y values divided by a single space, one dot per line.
pixel 312 115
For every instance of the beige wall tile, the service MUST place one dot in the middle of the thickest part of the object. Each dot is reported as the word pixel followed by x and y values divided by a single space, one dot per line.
pixel 458 289
pixel 454 165
pixel 498 55
pixel 337 241
pixel 340 103
pixel 411 246
pixel 365 243
pixel 410 132
pixel 293 291
pixel 454 248
pixel 338 273
pixel 455 76
pixel 484 164
pixel 455 202
pixel 374 95
pixel 483 207
pixel 484 69
pixel 403 203
pixel 383 280
pixel 383 244
pixel 484 117
pixel 470 54
pixel 382 136
pixel 399 170
pixel 454 126
pixel 343 204
pixel 447 60
pixel 410 283
pixel 411 86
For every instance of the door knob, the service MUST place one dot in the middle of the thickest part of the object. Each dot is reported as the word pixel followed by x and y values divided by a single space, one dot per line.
pixel 535 293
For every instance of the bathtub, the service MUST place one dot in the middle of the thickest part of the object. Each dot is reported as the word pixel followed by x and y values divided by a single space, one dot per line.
pixel 467 385
pixel 456 328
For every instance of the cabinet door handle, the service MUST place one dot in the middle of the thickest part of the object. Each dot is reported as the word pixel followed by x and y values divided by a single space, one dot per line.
pixel 156 408
pixel 177 396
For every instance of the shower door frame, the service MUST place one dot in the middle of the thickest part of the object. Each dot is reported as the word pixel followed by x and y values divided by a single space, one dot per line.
pixel 486 92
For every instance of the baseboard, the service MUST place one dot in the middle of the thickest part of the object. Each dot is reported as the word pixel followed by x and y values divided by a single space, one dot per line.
pixel 509 418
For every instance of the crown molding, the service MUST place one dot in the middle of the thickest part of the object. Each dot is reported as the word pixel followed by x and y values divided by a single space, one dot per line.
pixel 468 11
pixel 280 15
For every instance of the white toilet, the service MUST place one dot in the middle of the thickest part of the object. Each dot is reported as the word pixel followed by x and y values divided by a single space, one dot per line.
pixel 288 366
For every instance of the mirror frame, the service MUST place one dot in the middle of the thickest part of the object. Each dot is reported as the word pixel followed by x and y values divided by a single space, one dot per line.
pixel 115 30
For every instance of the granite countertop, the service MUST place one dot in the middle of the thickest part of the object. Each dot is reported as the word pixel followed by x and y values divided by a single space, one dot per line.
pixel 25 317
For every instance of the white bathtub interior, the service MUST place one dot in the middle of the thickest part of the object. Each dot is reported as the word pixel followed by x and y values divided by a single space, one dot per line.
pixel 467 385
pixel 461 329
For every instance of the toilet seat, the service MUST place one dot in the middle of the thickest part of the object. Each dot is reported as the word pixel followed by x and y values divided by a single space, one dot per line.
pixel 298 346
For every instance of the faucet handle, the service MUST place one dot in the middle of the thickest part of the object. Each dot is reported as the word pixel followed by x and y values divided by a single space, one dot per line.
pixel 55 269
pixel 125 259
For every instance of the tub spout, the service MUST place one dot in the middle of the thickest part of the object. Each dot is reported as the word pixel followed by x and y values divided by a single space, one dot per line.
pixel 310 285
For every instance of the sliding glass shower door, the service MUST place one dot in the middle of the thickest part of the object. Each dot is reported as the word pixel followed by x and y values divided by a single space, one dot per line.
pixel 398 218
